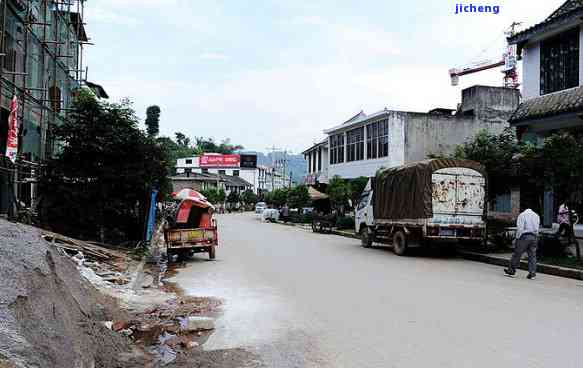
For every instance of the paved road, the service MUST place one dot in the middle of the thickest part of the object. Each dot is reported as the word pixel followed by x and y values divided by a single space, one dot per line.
pixel 309 300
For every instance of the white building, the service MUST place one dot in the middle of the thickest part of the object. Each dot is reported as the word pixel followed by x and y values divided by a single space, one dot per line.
pixel 364 144
pixel 262 178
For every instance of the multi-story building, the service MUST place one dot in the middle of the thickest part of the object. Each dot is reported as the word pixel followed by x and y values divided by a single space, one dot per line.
pixel 552 61
pixel 364 144
pixel 261 178
pixel 552 89
pixel 41 67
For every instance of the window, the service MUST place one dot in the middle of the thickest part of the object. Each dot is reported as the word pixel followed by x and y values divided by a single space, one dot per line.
pixel 559 62
pixel 319 158
pixel 205 171
pixel 189 161
pixel 355 145
pixel 314 162
pixel 377 139
pixel 222 172
pixel 337 149
pixel 235 172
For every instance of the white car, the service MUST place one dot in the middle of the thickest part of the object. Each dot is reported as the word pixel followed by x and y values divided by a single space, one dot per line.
pixel 260 207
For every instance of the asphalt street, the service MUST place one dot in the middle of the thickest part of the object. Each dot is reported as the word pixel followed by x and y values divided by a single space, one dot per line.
pixel 300 299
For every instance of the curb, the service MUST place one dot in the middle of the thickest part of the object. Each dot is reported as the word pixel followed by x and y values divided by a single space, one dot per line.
pixel 570 273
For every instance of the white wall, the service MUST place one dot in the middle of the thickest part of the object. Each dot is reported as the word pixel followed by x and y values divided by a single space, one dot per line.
pixel 368 168
pixel 531 71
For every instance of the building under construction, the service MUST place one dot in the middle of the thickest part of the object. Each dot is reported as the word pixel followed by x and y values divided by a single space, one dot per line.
pixel 41 54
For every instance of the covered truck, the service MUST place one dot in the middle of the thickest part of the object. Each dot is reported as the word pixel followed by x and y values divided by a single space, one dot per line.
pixel 192 228
pixel 440 201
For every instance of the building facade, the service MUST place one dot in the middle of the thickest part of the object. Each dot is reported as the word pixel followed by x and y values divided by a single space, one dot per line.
pixel 552 60
pixel 261 178
pixel 364 144
pixel 41 67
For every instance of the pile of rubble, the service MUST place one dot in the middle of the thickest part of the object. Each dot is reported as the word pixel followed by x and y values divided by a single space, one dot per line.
pixel 161 322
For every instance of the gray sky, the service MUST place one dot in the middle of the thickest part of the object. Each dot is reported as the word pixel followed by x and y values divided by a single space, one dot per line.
pixel 267 73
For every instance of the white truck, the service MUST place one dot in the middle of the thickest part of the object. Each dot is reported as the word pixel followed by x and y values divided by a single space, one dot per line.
pixel 440 201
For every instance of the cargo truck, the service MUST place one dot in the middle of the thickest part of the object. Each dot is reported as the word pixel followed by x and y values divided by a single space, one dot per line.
pixel 440 201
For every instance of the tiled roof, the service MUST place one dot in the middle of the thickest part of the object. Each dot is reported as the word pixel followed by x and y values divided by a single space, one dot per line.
pixel 570 100
pixel 570 10
pixel 564 9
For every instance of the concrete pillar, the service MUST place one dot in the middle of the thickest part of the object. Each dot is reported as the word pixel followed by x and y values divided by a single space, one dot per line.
pixel 345 145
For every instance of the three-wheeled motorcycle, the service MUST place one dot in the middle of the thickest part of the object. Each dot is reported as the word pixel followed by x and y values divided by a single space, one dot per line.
pixel 193 229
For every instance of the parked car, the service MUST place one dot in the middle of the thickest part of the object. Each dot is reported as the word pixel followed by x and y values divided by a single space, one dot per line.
pixel 260 207
pixel 434 201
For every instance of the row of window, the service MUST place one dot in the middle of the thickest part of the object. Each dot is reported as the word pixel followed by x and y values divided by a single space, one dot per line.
pixel 377 143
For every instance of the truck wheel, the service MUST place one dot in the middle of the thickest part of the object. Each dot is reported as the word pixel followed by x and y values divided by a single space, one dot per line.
pixel 400 243
pixel 212 252
pixel 366 237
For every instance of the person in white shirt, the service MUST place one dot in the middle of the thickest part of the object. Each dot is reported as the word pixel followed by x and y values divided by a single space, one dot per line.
pixel 527 226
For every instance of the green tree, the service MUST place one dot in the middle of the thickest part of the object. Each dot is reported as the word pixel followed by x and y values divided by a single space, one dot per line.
pixel 277 197
pixel 208 145
pixel 221 196
pixel 249 197
pixel 298 197
pixel 153 120
pixel 339 191
pixel 357 187
pixel 233 197
pixel 99 185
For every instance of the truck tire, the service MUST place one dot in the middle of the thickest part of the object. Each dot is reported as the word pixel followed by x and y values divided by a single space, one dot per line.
pixel 212 252
pixel 400 243
pixel 366 237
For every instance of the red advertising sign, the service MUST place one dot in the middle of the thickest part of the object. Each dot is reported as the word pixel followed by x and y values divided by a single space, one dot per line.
pixel 220 161
pixel 12 141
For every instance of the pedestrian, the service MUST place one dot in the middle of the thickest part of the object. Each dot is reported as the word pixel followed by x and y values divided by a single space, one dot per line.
pixel 564 220
pixel 527 226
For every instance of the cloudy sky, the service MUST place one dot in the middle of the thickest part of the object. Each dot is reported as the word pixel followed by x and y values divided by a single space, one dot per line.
pixel 267 73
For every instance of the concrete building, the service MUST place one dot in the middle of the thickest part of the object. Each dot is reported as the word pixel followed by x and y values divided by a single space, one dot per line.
pixel 41 66
pixel 366 143
pixel 208 181
pixel 552 93
pixel 552 63
pixel 261 178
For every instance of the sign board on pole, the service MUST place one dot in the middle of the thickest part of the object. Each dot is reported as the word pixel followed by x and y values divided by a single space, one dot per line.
pixel 12 140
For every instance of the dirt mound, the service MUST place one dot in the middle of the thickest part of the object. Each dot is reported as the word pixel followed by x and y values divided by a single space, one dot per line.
pixel 49 315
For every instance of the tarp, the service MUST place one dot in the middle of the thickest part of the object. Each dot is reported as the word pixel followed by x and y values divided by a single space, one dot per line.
pixel 405 192
pixel 316 195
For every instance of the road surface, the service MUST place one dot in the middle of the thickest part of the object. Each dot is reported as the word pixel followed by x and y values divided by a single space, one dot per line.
pixel 300 299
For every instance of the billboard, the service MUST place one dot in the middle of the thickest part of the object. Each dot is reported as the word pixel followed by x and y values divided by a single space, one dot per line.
pixel 249 161
pixel 220 161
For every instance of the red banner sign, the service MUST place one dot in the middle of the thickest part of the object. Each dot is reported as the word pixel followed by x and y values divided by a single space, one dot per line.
pixel 220 161
pixel 12 141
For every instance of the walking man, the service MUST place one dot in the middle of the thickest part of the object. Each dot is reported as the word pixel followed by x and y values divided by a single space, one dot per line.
pixel 527 225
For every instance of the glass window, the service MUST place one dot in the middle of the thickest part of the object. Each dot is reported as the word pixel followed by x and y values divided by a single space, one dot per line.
pixel 377 139
pixel 205 171
pixel 559 62
pixel 189 162
pixel 337 149
pixel 235 172
pixel 222 172
pixel 355 145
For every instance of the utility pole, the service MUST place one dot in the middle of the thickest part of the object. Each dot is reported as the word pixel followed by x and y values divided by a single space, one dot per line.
pixel 273 150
